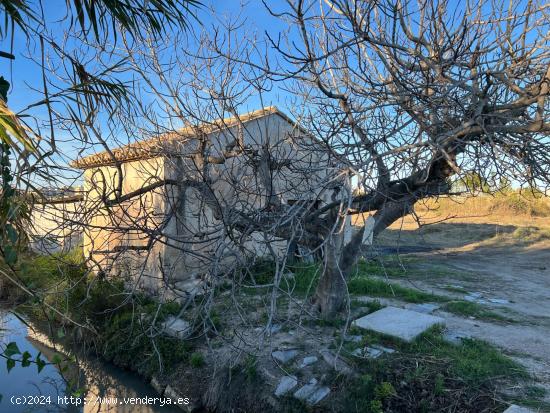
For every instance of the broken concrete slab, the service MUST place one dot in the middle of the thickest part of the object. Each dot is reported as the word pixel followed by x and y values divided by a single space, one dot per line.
pixel 306 390
pixel 176 327
pixel 367 352
pixel 284 356
pixel 385 349
pixel 372 352
pixel 318 395
pixel 155 384
pixel 308 361
pixel 335 362
pixel 517 409
pixel 398 322
pixel 173 394
pixel 286 384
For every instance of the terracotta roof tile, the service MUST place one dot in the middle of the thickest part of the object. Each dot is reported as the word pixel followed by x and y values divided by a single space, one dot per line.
pixel 156 146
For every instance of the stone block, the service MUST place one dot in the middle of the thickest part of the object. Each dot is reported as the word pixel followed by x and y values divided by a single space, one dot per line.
pixel 307 390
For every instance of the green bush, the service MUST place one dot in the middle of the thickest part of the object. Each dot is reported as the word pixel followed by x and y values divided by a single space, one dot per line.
pixel 196 360
pixel 122 319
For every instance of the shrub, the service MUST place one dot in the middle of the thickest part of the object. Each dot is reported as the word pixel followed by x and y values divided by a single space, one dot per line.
pixel 196 360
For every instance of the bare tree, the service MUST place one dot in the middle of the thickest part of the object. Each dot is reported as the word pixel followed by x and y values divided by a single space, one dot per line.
pixel 394 97
pixel 408 94
pixel 398 96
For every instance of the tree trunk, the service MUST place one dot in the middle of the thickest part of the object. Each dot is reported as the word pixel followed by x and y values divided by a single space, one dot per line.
pixel 331 293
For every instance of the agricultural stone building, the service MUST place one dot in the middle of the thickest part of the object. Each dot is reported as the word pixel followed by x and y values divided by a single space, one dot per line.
pixel 148 219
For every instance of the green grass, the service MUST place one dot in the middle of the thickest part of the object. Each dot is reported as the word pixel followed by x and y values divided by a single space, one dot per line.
pixel 393 266
pixel 430 374
pixel 363 282
pixel 122 320
pixel 366 285
pixel 260 276
pixel 470 309
pixel 474 361
pixel 305 278
pixel 196 359
pixel 453 289
pixel 371 305
pixel 532 396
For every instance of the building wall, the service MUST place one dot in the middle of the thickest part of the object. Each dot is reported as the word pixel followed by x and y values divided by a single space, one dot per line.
pixel 237 185
pixel 55 227
pixel 113 235
pixel 194 243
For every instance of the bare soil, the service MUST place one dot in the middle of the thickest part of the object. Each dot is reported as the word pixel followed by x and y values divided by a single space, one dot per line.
pixel 499 257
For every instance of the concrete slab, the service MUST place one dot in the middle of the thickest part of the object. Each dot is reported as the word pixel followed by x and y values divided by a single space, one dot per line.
pixel 284 356
pixel 308 360
pixel 398 322
pixel 177 328
pixel 425 308
pixel 286 384
pixel 517 409
pixel 367 352
pixel 372 352
pixel 155 384
pixel 318 395
pixel 307 390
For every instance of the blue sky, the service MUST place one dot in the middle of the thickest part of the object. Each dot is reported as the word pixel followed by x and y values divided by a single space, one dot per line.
pixel 24 72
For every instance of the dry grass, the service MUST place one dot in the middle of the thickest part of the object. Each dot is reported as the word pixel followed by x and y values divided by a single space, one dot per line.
pixel 458 221
pixel 512 203
pixel 515 207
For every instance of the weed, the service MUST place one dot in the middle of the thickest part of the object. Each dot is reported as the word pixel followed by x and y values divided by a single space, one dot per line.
pixel 196 359
pixel 430 374
pixel 371 306
pixel 455 289
pixel 380 288
pixel 251 368
pixel 470 309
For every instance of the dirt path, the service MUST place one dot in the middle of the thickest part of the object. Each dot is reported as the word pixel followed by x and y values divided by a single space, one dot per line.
pixel 518 274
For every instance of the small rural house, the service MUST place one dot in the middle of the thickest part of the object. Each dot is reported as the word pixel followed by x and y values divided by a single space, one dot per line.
pixel 165 234
pixel 55 220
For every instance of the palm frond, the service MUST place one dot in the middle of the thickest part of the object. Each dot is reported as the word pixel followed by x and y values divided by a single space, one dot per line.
pixel 11 130
pixel 101 17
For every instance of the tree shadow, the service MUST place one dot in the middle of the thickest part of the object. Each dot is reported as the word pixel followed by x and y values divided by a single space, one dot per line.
pixel 440 236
